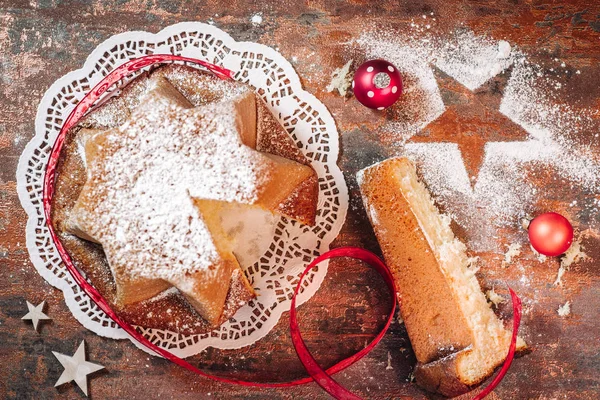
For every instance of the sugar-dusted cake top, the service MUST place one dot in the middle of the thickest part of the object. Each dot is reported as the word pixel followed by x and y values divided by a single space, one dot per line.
pixel 143 178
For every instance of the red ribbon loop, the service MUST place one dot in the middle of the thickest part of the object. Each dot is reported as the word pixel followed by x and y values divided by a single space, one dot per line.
pixel 310 364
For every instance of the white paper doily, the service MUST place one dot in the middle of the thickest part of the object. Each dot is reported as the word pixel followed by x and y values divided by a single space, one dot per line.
pixel 293 245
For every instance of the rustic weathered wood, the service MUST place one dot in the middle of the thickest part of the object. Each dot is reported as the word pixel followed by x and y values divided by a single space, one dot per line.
pixel 41 40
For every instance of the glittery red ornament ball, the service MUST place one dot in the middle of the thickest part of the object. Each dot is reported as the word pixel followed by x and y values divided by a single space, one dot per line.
pixel 550 234
pixel 377 84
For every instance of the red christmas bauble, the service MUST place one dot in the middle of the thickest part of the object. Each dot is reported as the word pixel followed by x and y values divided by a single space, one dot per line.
pixel 550 234
pixel 377 84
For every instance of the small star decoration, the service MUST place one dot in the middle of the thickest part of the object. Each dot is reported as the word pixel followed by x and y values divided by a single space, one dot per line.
pixel 36 314
pixel 76 368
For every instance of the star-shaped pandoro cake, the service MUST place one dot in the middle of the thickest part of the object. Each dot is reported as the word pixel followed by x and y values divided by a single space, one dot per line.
pixel 471 120
pixel 158 185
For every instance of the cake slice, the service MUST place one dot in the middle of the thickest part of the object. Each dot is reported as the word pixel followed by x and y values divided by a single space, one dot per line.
pixel 457 339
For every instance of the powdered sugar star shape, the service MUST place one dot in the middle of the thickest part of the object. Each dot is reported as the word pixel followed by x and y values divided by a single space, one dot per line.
pixel 472 120
pixel 503 189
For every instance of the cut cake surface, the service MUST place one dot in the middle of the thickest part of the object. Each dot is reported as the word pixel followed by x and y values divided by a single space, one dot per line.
pixel 456 337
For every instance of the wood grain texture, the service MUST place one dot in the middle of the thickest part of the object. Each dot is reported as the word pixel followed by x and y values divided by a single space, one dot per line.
pixel 42 40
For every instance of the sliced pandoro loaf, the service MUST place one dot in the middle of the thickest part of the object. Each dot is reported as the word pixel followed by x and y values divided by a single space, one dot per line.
pixel 456 337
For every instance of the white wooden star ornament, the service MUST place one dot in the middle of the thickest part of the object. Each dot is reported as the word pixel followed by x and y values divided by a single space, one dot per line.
pixel 36 314
pixel 77 368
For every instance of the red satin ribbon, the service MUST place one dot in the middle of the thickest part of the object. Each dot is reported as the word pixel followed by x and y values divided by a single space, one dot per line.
pixel 320 376
pixel 516 303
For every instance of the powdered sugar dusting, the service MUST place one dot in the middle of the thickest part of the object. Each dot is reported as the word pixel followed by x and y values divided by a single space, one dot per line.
pixel 503 189
pixel 145 182
pixel 256 19
pixel 564 310
pixel 472 60
pixel 201 88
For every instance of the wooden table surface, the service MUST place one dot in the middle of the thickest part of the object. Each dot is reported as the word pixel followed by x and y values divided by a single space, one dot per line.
pixel 41 40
